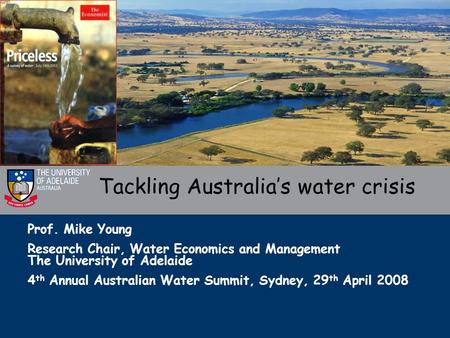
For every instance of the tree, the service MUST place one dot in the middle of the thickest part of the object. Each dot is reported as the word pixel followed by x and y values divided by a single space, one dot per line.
pixel 444 154
pixel 172 81
pixel 324 152
pixel 329 65
pixel 355 114
pixel 399 118
pixel 366 130
pixel 380 126
pixel 411 89
pixel 142 78
pixel 282 111
pixel 294 87
pixel 343 157
pixel 411 158
pixel 424 124
pixel 310 156
pixel 321 87
pixel 212 151
pixel 343 82
pixel 374 107
pixel 376 95
pixel 355 146
pixel 308 87
pixel 342 103
pixel 388 100
pixel 241 61
pixel 405 101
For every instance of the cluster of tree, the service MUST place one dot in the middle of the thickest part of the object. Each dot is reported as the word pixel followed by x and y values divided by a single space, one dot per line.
pixel 162 109
pixel 410 96
pixel 283 111
pixel 207 101
pixel 309 88
pixel 324 153
pixel 411 89
pixel 212 50
pixel 167 29
pixel 365 129
pixel 308 68
pixel 126 52
pixel 412 69
pixel 170 81
pixel 349 50
pixel 397 50
pixel 317 155
pixel 347 66
pixel 311 73
pixel 158 64
pixel 211 66
pixel 412 158
pixel 149 71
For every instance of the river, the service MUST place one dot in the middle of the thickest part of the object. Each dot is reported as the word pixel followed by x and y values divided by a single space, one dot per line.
pixel 387 68
pixel 141 135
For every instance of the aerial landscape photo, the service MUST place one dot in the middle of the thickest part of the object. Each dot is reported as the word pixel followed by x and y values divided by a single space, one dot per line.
pixel 278 83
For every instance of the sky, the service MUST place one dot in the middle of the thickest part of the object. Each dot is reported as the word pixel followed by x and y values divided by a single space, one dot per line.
pixel 259 5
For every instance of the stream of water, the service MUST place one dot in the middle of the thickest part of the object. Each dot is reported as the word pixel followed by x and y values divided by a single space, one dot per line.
pixel 71 78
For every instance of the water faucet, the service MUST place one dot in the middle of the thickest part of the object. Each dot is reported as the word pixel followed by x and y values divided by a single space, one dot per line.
pixel 14 18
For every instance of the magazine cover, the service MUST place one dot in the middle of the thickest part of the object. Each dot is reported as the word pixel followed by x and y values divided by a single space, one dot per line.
pixel 58 82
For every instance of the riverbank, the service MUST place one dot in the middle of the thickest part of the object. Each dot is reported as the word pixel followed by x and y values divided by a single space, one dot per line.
pixel 274 141
pixel 209 111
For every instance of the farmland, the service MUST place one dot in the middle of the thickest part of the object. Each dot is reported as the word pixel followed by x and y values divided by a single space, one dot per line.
pixel 247 57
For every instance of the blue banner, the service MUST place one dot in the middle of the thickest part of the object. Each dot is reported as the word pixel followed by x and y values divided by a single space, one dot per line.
pixel 236 276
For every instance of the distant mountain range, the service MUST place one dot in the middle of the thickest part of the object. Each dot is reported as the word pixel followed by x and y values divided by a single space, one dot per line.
pixel 435 17
pixel 356 14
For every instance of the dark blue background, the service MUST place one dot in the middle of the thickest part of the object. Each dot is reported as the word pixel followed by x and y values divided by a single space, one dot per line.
pixel 417 246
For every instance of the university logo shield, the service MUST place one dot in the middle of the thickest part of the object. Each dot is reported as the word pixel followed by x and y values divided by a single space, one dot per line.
pixel 20 186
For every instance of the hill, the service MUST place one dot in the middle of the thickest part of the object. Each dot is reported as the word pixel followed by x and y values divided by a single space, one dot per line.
pixel 361 14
